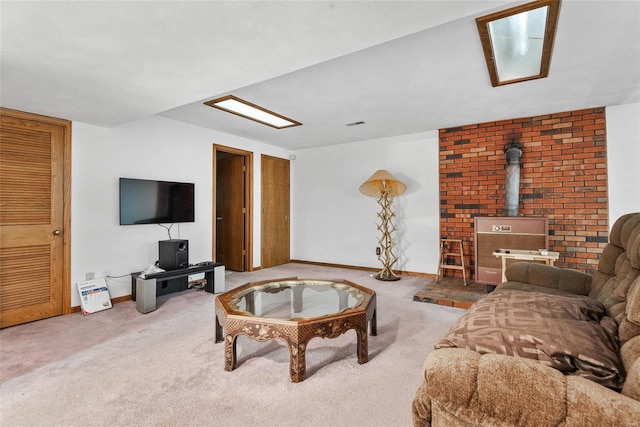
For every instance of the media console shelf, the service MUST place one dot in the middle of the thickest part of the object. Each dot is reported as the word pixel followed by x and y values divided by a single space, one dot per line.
pixel 144 291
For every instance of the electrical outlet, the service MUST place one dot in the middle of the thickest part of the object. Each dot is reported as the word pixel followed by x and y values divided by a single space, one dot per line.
pixel 378 251
pixel 90 276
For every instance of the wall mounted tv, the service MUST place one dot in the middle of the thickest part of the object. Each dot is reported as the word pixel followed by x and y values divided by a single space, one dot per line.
pixel 153 202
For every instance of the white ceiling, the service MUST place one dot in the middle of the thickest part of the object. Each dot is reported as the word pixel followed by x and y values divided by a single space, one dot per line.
pixel 400 66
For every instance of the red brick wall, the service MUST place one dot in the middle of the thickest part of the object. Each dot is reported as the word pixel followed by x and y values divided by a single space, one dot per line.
pixel 563 177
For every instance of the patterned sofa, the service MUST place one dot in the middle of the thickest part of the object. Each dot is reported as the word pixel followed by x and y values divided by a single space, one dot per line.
pixel 549 347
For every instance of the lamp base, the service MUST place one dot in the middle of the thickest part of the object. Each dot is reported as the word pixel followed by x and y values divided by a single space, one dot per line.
pixel 386 276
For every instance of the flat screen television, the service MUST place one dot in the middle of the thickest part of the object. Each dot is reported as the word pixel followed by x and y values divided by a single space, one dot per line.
pixel 145 201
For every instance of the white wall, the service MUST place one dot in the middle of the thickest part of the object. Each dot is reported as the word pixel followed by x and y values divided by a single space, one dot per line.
pixel 151 148
pixel 333 222
pixel 623 152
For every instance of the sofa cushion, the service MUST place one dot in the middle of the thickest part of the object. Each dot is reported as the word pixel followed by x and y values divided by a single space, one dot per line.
pixel 633 247
pixel 570 333
pixel 627 330
pixel 630 354
pixel 612 282
pixel 625 275
pixel 622 230
pixel 608 258
pixel 550 277
pixel 524 286
pixel 633 302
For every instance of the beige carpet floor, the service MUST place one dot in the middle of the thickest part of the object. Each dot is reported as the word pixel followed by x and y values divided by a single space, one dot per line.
pixel 119 367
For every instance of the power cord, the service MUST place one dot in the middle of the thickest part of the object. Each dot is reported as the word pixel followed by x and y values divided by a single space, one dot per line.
pixel 168 229
pixel 117 277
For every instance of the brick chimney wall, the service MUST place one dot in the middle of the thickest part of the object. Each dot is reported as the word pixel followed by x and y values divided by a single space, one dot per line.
pixel 563 178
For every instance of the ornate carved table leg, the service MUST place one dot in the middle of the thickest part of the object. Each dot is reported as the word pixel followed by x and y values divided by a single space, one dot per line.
pixel 343 299
pixel 297 299
pixel 298 362
pixel 219 336
pixel 374 322
pixel 250 303
pixel 363 343
pixel 372 315
pixel 230 352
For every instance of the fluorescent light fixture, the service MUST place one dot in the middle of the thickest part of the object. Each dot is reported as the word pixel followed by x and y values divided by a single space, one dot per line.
pixel 517 42
pixel 240 107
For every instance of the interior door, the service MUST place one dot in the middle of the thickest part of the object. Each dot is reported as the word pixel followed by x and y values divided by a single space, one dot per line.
pixel 34 281
pixel 275 211
pixel 230 211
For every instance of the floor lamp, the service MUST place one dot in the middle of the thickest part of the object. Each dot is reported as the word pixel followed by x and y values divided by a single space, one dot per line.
pixel 384 186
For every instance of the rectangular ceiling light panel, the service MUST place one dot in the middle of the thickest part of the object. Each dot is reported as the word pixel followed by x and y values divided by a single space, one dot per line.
pixel 240 107
pixel 517 42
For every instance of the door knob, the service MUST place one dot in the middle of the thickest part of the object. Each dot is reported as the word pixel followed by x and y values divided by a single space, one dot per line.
pixel 56 232
pixel 219 218
pixel 286 217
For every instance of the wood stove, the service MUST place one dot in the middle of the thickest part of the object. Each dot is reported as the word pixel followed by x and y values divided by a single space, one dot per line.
pixel 491 233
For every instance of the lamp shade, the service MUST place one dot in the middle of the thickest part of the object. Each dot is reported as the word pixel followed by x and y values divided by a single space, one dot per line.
pixel 380 182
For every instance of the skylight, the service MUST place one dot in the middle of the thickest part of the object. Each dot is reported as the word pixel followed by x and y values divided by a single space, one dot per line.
pixel 517 42
pixel 240 107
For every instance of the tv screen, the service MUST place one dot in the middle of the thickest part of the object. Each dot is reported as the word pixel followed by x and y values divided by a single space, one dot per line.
pixel 153 202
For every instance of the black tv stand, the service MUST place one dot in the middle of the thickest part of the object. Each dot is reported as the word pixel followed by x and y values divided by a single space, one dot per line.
pixel 144 291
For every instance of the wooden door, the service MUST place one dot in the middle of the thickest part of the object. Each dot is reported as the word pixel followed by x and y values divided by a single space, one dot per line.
pixel 230 211
pixel 275 211
pixel 34 217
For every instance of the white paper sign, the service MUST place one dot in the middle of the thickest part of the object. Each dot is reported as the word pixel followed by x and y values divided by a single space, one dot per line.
pixel 94 295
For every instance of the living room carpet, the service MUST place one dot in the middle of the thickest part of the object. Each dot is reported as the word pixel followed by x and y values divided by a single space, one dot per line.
pixel 121 367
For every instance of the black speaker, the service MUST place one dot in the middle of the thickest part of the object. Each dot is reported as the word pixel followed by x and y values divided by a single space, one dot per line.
pixel 173 254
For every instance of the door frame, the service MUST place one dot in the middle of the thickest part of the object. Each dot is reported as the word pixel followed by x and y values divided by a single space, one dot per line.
pixel 248 201
pixel 66 197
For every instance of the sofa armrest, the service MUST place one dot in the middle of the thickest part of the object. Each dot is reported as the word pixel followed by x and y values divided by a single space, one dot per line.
pixel 563 279
pixel 490 389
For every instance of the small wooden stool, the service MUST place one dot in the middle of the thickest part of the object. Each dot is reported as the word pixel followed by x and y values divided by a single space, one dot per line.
pixel 446 245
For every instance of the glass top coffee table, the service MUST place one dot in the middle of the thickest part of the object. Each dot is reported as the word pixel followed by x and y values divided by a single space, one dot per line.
pixel 295 310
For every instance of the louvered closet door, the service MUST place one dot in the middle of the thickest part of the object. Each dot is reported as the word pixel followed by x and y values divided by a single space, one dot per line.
pixel 31 218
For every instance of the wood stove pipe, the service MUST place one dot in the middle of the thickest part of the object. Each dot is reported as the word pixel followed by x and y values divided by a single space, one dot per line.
pixel 512 180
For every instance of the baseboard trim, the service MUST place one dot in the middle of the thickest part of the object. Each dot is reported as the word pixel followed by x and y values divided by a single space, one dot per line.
pixel 355 267
pixel 78 309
